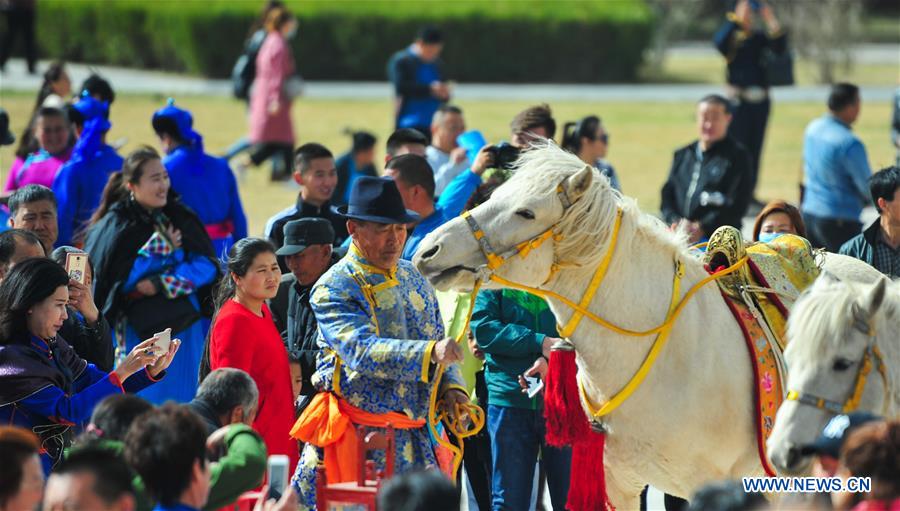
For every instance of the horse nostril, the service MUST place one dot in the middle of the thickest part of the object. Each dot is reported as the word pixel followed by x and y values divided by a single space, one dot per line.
pixel 792 457
pixel 430 252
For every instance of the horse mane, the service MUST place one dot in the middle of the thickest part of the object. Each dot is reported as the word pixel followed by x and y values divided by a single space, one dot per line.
pixel 824 314
pixel 587 224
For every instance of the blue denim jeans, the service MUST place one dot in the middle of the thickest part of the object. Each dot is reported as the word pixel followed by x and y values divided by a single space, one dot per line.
pixel 517 435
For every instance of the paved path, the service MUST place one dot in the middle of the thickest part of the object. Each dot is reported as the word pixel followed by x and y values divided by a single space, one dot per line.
pixel 133 81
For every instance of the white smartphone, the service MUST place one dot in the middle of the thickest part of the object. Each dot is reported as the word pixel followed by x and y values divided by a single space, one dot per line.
pixel 535 385
pixel 277 475
pixel 76 266
pixel 163 340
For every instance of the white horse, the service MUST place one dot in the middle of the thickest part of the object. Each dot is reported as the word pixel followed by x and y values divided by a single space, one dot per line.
pixel 691 421
pixel 836 330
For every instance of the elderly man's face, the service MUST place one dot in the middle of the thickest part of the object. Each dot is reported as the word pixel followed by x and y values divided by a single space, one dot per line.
pixel 38 217
pixel 380 244
pixel 309 265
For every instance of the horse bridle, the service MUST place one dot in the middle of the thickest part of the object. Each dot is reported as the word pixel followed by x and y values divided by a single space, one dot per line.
pixel 865 368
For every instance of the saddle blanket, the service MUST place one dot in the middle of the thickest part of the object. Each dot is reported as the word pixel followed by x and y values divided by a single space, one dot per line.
pixel 784 267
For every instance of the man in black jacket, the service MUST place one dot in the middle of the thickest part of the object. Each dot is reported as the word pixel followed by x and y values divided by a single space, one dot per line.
pixel 308 254
pixel 709 184
pixel 879 244
pixel 418 80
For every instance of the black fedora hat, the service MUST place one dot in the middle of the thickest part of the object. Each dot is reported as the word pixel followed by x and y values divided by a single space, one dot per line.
pixel 376 199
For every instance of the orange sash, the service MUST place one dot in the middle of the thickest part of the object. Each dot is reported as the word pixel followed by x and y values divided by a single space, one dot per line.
pixel 329 422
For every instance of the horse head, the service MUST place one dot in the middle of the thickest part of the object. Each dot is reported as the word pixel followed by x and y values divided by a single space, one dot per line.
pixel 532 225
pixel 834 362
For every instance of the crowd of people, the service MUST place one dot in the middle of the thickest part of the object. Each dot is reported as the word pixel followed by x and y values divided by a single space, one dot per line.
pixel 186 350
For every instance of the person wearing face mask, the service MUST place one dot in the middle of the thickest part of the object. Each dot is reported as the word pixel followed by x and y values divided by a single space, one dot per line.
pixel 776 218
pixel 381 336
pixel 44 385
pixel 154 267
pixel 274 89
pixel 589 140
pixel 243 336
pixel 51 130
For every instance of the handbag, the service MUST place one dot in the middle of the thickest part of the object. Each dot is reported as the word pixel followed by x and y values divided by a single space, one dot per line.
pixel 779 67
pixel 153 314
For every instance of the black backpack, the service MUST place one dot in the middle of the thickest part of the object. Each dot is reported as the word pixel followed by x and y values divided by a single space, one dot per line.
pixel 244 71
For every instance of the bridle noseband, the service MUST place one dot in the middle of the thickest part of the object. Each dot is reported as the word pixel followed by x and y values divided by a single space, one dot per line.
pixel 852 403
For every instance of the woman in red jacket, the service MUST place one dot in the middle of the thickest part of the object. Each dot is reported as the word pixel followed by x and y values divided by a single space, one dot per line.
pixel 244 336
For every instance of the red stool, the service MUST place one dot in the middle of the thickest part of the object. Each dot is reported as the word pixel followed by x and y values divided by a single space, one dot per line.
pixel 368 481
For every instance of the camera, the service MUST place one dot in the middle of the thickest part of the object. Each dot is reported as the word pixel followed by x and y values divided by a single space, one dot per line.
pixel 504 154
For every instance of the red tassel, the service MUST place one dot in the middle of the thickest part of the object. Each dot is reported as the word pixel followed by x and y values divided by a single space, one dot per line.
pixel 587 483
pixel 566 423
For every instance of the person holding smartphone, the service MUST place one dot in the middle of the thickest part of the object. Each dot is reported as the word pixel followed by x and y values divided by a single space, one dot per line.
pixel 743 45
pixel 86 329
pixel 44 385
pixel 155 266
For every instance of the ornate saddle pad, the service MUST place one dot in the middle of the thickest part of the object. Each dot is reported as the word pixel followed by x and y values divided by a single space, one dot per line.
pixel 760 296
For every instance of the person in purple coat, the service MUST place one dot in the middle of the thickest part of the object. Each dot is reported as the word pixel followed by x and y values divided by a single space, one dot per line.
pixel 44 385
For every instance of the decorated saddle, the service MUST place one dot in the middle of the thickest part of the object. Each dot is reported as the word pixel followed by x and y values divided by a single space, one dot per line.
pixel 760 295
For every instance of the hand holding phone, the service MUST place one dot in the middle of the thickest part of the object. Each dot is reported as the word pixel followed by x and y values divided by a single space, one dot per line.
pixel 277 475
pixel 163 340
pixel 535 385
pixel 76 266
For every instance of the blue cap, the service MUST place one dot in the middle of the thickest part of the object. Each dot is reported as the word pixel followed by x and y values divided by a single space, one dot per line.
pixel 94 110
pixel 183 120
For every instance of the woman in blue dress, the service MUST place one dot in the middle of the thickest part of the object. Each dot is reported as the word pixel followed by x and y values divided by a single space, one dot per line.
pixel 155 266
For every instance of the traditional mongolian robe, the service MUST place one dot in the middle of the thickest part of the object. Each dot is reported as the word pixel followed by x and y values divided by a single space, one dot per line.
pixel 377 331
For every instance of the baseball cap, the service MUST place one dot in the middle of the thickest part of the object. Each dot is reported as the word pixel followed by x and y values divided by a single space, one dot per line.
pixel 832 437
pixel 299 234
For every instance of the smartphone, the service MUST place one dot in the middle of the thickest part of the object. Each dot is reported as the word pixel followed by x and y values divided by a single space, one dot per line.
pixel 163 340
pixel 535 385
pixel 277 475
pixel 76 266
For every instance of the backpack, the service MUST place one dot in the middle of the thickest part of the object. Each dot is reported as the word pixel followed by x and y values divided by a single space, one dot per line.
pixel 244 71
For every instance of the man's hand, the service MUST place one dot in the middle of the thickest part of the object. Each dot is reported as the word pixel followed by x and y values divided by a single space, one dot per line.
pixel 458 155
pixel 454 397
pixel 539 369
pixel 440 90
pixel 446 352
pixel 80 299
pixel 547 345
pixel 483 160
pixel 288 501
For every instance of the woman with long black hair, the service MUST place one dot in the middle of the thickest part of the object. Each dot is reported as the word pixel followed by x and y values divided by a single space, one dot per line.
pixel 154 266
pixel 589 140
pixel 44 385
pixel 244 336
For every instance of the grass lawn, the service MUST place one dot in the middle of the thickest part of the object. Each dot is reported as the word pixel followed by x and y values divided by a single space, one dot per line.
pixel 643 137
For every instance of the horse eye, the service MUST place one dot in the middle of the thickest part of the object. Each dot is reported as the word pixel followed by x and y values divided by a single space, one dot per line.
pixel 842 364
pixel 527 214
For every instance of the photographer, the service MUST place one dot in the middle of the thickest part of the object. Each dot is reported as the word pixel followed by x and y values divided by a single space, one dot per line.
pixel 748 83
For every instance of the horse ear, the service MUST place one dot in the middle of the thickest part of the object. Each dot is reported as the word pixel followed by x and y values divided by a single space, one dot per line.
pixel 870 302
pixel 578 183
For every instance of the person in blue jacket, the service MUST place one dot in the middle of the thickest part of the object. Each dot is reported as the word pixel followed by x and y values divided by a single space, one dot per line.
pixel 415 180
pixel 418 80
pixel 205 183
pixel 44 385
pixel 79 183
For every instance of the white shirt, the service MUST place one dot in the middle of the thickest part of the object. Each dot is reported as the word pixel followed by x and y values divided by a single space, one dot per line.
pixel 444 169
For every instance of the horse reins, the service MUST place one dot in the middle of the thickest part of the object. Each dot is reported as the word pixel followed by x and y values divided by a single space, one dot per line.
pixel 662 331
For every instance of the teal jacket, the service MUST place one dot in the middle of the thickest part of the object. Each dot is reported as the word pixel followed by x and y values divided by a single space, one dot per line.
pixel 510 327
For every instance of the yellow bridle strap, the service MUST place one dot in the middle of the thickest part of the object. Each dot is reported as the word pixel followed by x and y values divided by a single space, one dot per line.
pixel 619 330
pixel 592 288
pixel 495 260
pixel 858 388
pixel 454 421
pixel 646 365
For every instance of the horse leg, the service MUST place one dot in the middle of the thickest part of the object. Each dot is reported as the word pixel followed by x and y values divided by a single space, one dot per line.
pixel 623 488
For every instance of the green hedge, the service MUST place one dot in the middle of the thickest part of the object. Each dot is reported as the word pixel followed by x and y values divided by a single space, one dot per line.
pixel 487 41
